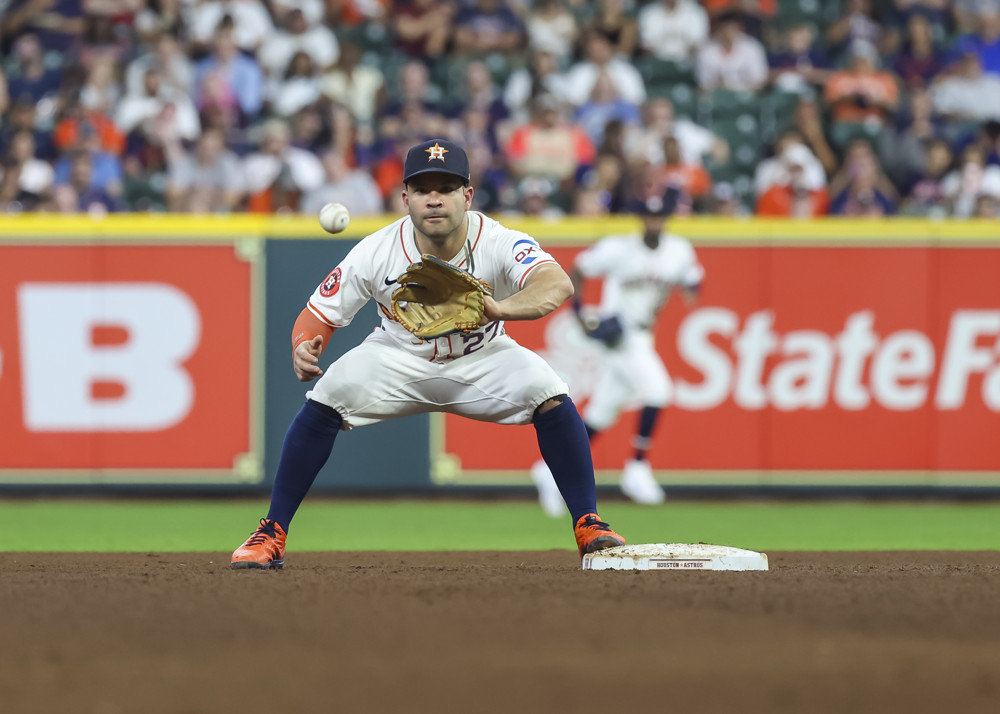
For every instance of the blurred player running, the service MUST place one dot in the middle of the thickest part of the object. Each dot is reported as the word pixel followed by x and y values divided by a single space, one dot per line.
pixel 639 272
pixel 482 375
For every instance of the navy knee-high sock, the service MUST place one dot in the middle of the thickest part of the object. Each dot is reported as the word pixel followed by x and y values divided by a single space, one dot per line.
pixel 562 439
pixel 307 446
pixel 643 437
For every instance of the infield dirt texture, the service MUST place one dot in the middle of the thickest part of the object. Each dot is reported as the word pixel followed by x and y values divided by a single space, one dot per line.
pixel 497 632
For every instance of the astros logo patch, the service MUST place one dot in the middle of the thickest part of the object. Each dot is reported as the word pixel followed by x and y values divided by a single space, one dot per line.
pixel 331 285
pixel 436 152
pixel 525 251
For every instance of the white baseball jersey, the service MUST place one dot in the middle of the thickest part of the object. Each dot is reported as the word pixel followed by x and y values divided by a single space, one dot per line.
pixel 637 279
pixel 483 374
pixel 637 283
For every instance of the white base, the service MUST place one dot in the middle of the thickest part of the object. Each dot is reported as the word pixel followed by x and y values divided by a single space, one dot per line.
pixel 675 556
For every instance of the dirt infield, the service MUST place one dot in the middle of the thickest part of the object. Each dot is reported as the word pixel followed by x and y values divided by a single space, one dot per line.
pixel 497 632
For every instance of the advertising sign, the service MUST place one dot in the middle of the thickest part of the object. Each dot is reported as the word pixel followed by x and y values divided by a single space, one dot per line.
pixel 126 358
pixel 797 358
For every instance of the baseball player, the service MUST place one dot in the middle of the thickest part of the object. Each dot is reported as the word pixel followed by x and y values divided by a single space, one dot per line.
pixel 482 374
pixel 639 272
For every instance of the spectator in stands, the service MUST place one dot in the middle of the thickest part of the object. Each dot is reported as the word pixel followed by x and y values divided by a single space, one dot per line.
pixel 137 108
pixel 81 190
pixel 616 22
pixel 919 61
pixel 57 25
pixel 589 203
pixel 96 136
pixel 799 65
pixel 355 188
pixel 604 105
pixel 755 12
pixel 308 129
pixel 414 87
pixel 423 28
pixel 414 106
pixel 863 180
pixel 965 14
pixel 861 94
pixel 645 143
pixel 856 24
pixel 732 60
pixel 549 146
pixel 4 95
pixel 297 89
pixel 808 122
pixel 985 41
pixel 352 13
pixel 249 19
pixel 29 77
pixel 925 196
pixel 691 179
pixel 599 57
pixel 296 35
pixel 314 11
pixel 359 87
pixel 673 30
pixel 101 90
pixel 105 32
pixel 541 76
pixel 903 146
pixel 32 177
pixel 610 176
pixel 792 193
pixel 481 93
pixel 229 79
pixel 208 180
pixel 535 196
pixel 724 201
pixel 160 17
pixel 22 117
pixel 278 174
pixel 987 207
pixel 170 63
pixel 485 26
pixel 970 180
pixel 552 28
pixel 774 170
pixel 967 93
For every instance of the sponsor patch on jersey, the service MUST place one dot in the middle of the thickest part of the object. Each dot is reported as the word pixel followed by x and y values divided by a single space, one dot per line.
pixel 526 251
pixel 330 286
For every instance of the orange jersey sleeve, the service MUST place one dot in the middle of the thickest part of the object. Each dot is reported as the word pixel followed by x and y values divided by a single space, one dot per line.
pixel 307 326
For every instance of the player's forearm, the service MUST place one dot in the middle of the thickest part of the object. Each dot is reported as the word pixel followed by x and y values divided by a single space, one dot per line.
pixel 546 289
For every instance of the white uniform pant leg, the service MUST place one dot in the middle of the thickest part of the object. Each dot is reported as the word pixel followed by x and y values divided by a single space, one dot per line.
pixel 634 375
pixel 378 380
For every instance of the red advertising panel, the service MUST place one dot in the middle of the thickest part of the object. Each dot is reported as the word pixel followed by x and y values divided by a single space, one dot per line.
pixel 799 358
pixel 124 357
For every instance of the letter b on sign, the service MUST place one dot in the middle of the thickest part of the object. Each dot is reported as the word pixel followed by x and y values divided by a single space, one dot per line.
pixel 61 364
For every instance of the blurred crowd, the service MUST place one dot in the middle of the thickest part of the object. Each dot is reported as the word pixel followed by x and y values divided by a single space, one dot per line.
pixel 775 107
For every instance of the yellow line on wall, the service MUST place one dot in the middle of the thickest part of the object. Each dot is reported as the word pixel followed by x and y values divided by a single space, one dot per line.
pixel 747 231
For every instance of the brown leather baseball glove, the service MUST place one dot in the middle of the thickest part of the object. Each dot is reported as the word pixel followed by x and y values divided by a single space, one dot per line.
pixel 436 298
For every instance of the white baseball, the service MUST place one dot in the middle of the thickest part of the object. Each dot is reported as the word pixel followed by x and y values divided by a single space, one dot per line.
pixel 334 217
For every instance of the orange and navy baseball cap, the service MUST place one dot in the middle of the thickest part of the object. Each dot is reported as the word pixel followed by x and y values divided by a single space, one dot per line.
pixel 436 156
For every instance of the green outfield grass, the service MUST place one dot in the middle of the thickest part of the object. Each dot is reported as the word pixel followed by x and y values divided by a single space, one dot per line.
pixel 184 525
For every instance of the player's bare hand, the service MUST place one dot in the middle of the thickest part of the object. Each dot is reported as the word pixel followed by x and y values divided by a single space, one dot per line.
pixel 491 311
pixel 305 357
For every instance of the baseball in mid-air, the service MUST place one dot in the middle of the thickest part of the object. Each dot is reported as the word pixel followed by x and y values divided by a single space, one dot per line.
pixel 334 217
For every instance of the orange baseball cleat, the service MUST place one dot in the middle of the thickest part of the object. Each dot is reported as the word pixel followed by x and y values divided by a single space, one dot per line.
pixel 593 534
pixel 264 549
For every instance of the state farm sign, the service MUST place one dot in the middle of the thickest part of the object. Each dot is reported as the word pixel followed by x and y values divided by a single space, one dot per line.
pixel 124 357
pixel 802 359
pixel 849 369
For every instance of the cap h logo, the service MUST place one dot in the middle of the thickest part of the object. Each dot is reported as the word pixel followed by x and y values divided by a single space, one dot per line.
pixel 436 152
